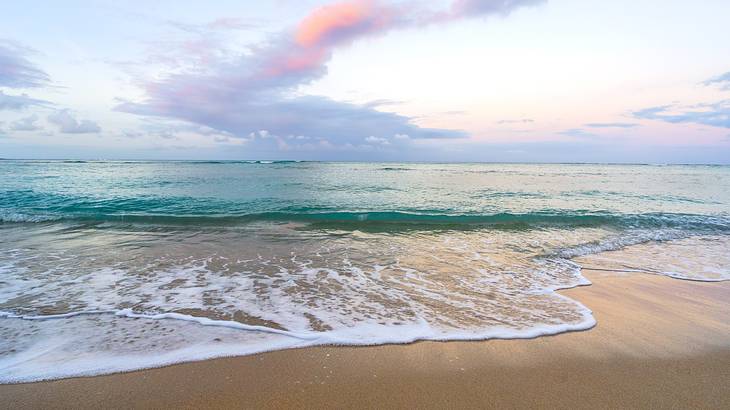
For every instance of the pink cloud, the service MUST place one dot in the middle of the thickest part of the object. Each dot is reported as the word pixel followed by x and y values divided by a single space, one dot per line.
pixel 296 61
pixel 238 94
pixel 342 22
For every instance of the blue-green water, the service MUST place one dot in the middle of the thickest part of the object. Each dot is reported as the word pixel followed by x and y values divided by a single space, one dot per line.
pixel 201 192
pixel 109 266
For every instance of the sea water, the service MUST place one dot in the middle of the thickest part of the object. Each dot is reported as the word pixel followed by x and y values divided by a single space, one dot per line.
pixel 110 266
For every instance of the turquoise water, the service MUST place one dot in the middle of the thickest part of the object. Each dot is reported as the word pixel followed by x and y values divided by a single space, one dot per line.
pixel 111 265
pixel 200 192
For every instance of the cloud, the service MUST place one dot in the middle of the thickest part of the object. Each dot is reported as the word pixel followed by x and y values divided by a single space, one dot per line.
pixel 577 133
pixel 467 8
pixel 382 103
pixel 377 140
pixel 227 23
pixel 230 23
pixel 18 102
pixel 312 116
pixel 612 125
pixel 26 124
pixel 16 71
pixel 242 92
pixel 67 124
pixel 519 121
pixel 713 114
pixel 723 81
pixel 173 130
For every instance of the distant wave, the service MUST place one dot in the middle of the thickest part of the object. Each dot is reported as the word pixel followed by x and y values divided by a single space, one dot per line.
pixel 16 217
pixel 242 162
pixel 552 218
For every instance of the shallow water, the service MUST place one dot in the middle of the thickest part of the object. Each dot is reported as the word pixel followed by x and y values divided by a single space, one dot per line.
pixel 110 266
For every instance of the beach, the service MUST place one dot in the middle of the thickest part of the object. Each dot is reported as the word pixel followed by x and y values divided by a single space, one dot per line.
pixel 338 204
pixel 364 204
pixel 659 342
pixel 189 284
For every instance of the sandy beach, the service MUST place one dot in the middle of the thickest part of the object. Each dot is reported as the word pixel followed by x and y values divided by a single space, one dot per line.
pixel 659 342
pixel 364 204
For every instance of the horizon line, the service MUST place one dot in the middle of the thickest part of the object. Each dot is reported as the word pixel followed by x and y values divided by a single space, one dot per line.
pixel 375 162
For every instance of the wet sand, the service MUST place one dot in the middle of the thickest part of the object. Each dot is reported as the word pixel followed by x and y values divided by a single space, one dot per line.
pixel 659 343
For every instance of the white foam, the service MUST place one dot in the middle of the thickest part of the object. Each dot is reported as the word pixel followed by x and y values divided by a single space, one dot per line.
pixel 697 258
pixel 78 310
pixel 90 344
pixel 16 217
pixel 93 343
pixel 621 241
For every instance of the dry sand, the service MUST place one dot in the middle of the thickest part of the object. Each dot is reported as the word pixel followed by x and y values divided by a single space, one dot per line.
pixel 659 343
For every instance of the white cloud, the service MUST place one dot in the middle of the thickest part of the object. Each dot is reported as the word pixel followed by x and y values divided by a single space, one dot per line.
pixel 26 124
pixel 69 125
pixel 377 140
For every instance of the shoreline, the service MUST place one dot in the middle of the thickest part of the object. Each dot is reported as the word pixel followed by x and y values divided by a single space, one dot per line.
pixel 658 341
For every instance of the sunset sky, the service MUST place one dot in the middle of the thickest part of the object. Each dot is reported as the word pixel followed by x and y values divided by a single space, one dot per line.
pixel 449 80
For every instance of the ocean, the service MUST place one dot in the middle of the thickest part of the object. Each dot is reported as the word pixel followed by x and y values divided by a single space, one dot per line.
pixel 109 266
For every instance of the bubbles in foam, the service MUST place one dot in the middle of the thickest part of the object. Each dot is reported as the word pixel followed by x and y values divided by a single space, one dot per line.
pixel 703 258
pixel 177 295
pixel 102 343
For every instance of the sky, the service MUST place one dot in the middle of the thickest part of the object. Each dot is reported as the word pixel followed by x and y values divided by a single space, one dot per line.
pixel 367 80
